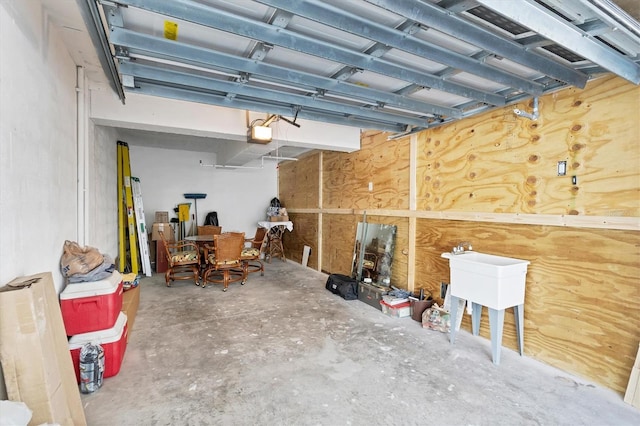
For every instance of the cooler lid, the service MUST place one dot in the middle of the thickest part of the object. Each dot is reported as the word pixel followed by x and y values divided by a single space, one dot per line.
pixel 92 288
pixel 101 337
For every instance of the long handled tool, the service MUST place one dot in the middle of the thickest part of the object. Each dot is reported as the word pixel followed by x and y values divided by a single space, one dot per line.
pixel 195 197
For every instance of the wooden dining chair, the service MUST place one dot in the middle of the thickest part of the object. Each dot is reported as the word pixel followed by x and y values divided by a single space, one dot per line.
pixel 224 264
pixel 183 258
pixel 209 230
pixel 251 253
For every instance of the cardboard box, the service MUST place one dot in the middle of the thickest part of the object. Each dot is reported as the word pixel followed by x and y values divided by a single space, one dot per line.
pixel 34 352
pixel 113 342
pixel 91 306
pixel 162 217
pixel 130 303
pixel 166 228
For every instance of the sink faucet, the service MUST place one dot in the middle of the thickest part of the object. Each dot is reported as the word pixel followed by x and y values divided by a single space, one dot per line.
pixel 459 249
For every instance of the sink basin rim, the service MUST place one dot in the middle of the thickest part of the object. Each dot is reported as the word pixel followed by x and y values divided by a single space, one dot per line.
pixel 485 259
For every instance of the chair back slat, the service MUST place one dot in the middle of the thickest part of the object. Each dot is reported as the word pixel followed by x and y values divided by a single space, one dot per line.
pixel 209 230
pixel 228 246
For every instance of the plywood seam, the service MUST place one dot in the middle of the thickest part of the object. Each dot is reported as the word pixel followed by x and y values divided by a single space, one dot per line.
pixel 570 221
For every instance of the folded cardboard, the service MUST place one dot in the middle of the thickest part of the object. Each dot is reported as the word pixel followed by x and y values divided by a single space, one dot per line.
pixel 166 228
pixel 130 303
pixel 632 395
pixel 162 217
pixel 34 352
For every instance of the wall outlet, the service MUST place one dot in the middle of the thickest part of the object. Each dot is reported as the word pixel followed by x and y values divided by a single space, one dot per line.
pixel 443 290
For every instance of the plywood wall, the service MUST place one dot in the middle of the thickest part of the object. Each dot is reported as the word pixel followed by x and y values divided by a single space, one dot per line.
pixel 582 290
pixel 299 185
pixel 305 233
pixel 385 164
pixel 583 285
pixel 497 162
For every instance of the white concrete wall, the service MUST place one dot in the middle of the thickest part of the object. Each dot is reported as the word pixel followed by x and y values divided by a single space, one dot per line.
pixel 102 221
pixel 38 164
pixel 240 196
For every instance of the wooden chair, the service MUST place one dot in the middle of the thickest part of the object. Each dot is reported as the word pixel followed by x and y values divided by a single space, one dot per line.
pixel 224 264
pixel 209 230
pixel 251 253
pixel 183 257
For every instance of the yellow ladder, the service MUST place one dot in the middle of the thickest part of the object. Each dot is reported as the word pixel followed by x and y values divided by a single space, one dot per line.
pixel 127 237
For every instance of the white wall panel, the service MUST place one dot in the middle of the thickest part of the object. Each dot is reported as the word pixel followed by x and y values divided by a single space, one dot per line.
pixel 102 188
pixel 37 143
pixel 240 196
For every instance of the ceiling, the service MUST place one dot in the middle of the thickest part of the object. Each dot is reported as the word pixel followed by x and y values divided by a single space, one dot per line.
pixel 395 65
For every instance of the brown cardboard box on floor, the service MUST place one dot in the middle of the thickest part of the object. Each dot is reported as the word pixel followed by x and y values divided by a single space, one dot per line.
pixel 34 352
pixel 130 303
pixel 166 228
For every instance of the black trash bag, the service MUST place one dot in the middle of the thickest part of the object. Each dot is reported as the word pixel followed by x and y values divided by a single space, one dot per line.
pixel 211 219
pixel 275 203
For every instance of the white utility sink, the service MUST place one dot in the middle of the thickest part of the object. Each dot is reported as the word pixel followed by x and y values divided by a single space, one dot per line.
pixel 489 280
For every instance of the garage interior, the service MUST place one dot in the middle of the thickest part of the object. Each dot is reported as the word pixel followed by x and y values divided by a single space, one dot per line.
pixel 509 125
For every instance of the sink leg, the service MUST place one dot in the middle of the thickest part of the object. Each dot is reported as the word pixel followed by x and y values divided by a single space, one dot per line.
pixel 475 317
pixel 518 311
pixel 453 314
pixel 496 322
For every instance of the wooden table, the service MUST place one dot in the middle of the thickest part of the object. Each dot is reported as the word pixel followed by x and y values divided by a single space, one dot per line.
pixel 275 231
pixel 201 241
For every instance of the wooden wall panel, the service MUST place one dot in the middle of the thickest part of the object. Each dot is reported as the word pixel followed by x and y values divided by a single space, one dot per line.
pixel 299 182
pixel 339 234
pixel 346 177
pixel 305 232
pixel 582 291
pixel 497 162
pixel 583 285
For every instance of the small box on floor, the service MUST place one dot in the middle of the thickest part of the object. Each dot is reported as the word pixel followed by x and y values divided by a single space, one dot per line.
pixel 113 342
pixel 91 306
pixel 400 310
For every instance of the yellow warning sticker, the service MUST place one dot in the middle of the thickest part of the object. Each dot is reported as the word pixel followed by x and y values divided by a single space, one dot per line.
pixel 170 30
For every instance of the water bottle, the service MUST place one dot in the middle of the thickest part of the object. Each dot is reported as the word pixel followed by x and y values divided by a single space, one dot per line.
pixel 91 367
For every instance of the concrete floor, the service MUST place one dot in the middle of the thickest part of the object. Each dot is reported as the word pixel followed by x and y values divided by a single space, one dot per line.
pixel 282 350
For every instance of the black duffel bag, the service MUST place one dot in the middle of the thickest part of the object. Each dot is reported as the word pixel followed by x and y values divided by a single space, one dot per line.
pixel 342 285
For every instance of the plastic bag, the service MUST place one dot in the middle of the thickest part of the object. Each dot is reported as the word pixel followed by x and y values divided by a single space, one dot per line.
pixel 79 260
pixel 436 318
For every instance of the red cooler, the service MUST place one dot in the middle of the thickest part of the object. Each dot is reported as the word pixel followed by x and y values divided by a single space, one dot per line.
pixel 113 342
pixel 91 306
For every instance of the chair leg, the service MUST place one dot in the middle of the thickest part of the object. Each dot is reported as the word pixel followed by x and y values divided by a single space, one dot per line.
pixel 225 279
pixel 167 277
pixel 196 274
